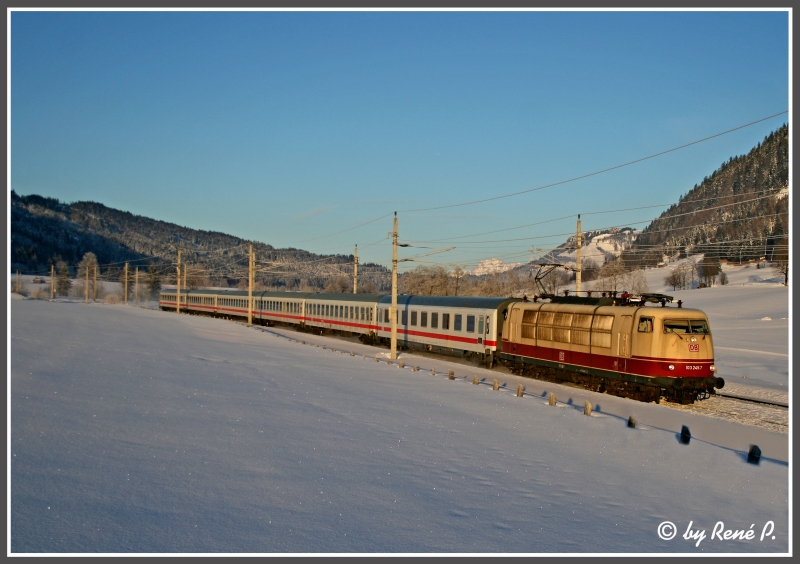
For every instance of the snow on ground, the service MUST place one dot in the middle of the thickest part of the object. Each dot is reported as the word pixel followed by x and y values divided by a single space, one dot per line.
pixel 135 430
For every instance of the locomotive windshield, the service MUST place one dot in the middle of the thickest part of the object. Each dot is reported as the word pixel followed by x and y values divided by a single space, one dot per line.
pixel 699 326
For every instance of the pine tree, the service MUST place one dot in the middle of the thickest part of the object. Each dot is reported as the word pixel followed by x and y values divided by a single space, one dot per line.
pixel 63 282
pixel 153 281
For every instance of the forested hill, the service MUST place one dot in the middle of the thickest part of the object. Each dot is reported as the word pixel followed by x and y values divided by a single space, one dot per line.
pixel 45 230
pixel 741 210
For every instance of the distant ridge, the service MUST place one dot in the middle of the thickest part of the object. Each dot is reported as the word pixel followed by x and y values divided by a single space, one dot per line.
pixel 44 230
pixel 492 266
pixel 598 246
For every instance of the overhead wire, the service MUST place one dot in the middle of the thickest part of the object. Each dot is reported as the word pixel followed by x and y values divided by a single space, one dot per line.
pixel 595 173
pixel 241 247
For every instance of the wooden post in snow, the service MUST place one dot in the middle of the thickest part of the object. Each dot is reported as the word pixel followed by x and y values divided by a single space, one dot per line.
pixel 178 285
pixel 250 289
pixel 355 272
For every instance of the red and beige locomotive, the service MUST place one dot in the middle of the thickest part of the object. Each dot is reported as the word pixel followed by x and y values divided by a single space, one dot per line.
pixel 616 345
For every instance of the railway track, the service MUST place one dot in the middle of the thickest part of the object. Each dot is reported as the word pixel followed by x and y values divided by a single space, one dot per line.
pixel 764 412
pixel 754 400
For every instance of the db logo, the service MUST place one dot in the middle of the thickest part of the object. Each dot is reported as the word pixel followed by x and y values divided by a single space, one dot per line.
pixel 694 347
pixel 561 356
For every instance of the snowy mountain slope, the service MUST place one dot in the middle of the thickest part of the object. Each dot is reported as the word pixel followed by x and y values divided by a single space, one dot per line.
pixel 597 246
pixel 135 430
pixel 490 266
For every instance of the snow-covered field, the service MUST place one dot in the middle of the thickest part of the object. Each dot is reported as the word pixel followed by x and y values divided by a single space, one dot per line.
pixel 141 431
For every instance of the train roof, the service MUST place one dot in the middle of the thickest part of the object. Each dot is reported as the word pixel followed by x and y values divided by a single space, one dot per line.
pixel 339 297
pixel 242 293
pixel 370 298
pixel 474 302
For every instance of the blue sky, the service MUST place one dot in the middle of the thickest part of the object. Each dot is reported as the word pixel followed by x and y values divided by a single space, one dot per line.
pixel 290 127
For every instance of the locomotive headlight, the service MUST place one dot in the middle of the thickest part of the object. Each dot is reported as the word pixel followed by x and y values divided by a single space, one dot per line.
pixel 712 368
pixel 671 367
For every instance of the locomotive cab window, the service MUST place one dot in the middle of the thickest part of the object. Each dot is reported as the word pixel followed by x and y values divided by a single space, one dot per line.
pixel 646 325
pixel 676 326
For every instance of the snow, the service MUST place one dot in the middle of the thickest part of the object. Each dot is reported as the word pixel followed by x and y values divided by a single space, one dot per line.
pixel 493 265
pixel 595 247
pixel 133 430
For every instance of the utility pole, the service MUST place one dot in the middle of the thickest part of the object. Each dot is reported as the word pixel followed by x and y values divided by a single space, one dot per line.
pixel 125 287
pixel 94 285
pixel 250 290
pixel 178 285
pixel 52 282
pixel 185 270
pixel 355 272
pixel 578 242
pixel 136 288
pixel 393 309
pixel 86 288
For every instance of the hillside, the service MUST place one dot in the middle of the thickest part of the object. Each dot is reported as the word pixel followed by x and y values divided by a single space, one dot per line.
pixel 738 213
pixel 45 230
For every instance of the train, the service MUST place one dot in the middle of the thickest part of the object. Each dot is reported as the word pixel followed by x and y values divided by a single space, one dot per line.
pixel 637 347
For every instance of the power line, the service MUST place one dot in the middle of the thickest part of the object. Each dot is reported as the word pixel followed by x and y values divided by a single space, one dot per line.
pixel 344 230
pixel 596 172
pixel 661 218
pixel 572 216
